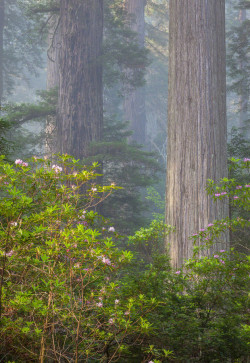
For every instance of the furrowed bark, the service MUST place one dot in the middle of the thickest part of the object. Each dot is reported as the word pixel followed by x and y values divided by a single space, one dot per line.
pixel 197 129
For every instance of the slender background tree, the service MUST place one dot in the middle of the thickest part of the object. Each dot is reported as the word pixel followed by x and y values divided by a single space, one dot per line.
pixel 238 61
pixel 1 47
pixel 134 100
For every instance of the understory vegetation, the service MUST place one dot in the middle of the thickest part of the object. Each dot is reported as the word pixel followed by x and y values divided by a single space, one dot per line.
pixel 68 293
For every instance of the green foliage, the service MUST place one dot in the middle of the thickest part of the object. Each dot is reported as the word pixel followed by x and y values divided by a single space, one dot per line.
pixel 238 147
pixel 203 311
pixel 21 113
pixel 124 60
pixel 59 292
pixel 204 306
pixel 5 145
pixel 158 201
pixel 45 6
pixel 149 241
pixel 23 118
pixel 128 166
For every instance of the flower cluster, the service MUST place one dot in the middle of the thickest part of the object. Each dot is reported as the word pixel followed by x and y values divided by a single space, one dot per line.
pixel 106 261
pixel 56 168
pixel 20 162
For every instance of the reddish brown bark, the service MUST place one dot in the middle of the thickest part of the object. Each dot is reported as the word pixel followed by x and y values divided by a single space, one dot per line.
pixel 80 106
pixel 196 120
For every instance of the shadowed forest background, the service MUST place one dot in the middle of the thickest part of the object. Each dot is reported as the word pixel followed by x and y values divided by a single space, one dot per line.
pixel 103 258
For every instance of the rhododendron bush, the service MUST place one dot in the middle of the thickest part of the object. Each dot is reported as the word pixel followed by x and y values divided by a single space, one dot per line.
pixel 59 267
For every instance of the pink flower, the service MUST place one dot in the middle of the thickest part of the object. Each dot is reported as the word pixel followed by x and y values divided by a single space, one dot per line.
pixel 202 230
pixel 216 256
pixel 221 251
pixel 246 160
pixel 9 254
pixel 178 272
pixel 25 164
pixel 210 225
pixel 223 193
pixel 106 261
pixel 217 195
pixel 247 186
pixel 151 361
pixel 18 162
pixel 235 197
pixel 111 229
pixel 56 168
pixel 94 190
pixel 126 313
pixel 223 262
pixel 111 321
pixel 117 301
pixel 238 187
pixel 99 304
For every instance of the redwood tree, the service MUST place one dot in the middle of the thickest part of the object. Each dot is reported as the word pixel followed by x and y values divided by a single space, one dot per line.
pixel 196 120
pixel 134 101
pixel 80 104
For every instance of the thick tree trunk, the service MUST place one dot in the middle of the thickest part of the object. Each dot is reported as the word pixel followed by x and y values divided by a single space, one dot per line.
pixel 80 106
pixel 197 132
pixel 1 48
pixel 134 100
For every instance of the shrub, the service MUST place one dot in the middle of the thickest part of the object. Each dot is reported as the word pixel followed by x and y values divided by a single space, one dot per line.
pixel 59 272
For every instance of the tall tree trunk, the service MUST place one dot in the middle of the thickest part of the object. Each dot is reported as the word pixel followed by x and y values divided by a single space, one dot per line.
pixel 1 48
pixel 134 100
pixel 244 88
pixel 196 120
pixel 54 44
pixel 80 105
